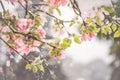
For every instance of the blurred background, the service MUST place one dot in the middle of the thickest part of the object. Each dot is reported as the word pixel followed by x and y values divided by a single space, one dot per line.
pixel 97 59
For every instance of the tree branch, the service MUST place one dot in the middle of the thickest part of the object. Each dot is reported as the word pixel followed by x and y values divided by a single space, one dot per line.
pixel 4 11
pixel 15 50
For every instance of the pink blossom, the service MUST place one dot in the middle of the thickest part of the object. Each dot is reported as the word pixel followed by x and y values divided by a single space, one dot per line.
pixel 21 47
pixel 91 35
pixel 19 41
pixel 27 50
pixel 56 3
pixel 64 2
pixel 11 50
pixel 21 24
pixel 84 38
pixel 29 22
pixel 88 36
pixel 42 32
pixel 24 24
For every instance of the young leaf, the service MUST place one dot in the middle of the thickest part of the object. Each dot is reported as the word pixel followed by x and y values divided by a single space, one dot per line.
pixel 28 66
pixel 35 69
pixel 66 43
pixel 41 68
pixel 58 10
pixel 76 39
pixel 117 34
pixel 114 27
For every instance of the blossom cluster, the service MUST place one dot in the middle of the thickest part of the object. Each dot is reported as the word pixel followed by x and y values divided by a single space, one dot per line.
pixel 24 34
pixel 88 36
pixel 56 3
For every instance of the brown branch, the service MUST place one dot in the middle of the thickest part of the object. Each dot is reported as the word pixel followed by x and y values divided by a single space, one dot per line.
pixel 26 8
pixel 4 11
pixel 40 4
pixel 77 10
pixel 53 16
pixel 15 50
pixel 27 35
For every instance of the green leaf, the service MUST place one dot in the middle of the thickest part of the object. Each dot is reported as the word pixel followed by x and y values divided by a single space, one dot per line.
pixel 66 43
pixel 98 21
pixel 114 27
pixel 36 35
pixel 71 24
pixel 37 22
pixel 109 9
pixel 104 31
pixel 41 68
pixel 51 9
pixel 28 66
pixel 108 29
pixel 117 34
pixel 55 52
pixel 76 39
pixel 89 20
pixel 34 69
pixel 5 33
pixel 72 0
pixel 58 10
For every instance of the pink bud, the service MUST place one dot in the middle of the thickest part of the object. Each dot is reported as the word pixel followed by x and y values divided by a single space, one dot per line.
pixel 64 2
pixel 84 38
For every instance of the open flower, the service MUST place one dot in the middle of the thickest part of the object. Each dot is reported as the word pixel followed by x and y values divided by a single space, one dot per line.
pixel 56 3
pixel 21 46
pixel 24 24
pixel 64 2
pixel 89 36
pixel 42 32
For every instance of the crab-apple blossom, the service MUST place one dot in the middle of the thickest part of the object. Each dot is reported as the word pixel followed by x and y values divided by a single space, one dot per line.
pixel 56 3
pixel 64 2
pixel 42 32
pixel 22 47
pixel 26 34
pixel 89 36
pixel 24 24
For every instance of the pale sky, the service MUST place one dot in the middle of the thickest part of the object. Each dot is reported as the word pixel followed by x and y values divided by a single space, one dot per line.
pixel 88 50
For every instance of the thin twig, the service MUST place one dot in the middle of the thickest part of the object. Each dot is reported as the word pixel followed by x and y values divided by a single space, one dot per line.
pixel 26 8
pixel 77 10
pixel 28 11
pixel 4 11
pixel 15 50
pixel 53 16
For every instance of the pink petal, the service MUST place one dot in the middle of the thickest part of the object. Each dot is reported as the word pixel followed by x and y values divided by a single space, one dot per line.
pixel 83 38
pixel 64 2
